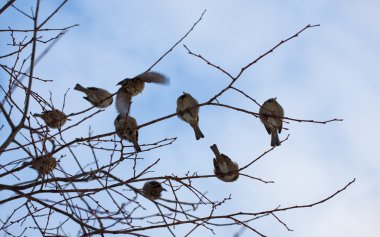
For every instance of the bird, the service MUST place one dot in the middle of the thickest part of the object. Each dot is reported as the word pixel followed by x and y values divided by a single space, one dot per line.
pixel 224 168
pixel 271 114
pixel 126 129
pixel 53 118
pixel 98 97
pixel 123 102
pixel 152 190
pixel 187 111
pixel 44 164
pixel 135 86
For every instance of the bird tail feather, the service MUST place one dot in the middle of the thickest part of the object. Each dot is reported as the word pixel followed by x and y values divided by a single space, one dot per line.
pixel 275 141
pixel 78 87
pixel 215 149
pixel 198 133
pixel 137 147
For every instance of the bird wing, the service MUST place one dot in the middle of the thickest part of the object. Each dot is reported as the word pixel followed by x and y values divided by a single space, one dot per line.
pixel 266 125
pixel 123 101
pixel 153 77
pixel 215 164
pixel 281 113
pixel 188 117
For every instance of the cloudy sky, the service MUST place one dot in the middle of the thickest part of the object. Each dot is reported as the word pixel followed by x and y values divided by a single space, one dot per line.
pixel 331 71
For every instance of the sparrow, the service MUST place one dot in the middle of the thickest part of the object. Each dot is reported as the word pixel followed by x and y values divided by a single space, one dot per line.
pixel 126 129
pixel 152 190
pixel 53 118
pixel 44 164
pixel 224 168
pixel 135 86
pixel 271 114
pixel 187 112
pixel 98 97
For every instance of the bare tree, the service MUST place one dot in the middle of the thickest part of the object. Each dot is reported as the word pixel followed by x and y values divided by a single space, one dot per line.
pixel 89 197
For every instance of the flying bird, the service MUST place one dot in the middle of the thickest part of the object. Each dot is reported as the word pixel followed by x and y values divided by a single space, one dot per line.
pixel 135 86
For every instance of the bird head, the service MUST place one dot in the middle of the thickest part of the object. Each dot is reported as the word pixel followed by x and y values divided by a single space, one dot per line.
pixel 122 81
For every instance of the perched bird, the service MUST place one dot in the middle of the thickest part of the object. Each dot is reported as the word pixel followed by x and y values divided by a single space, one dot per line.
pixel 123 102
pixel 98 97
pixel 186 112
pixel 135 86
pixel 271 114
pixel 224 168
pixel 126 129
pixel 53 118
pixel 44 164
pixel 152 189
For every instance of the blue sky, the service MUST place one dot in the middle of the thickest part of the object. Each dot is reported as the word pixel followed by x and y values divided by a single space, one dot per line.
pixel 331 71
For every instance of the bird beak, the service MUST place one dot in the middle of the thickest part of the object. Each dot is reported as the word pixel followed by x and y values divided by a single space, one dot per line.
pixel 121 82
pixel 164 190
